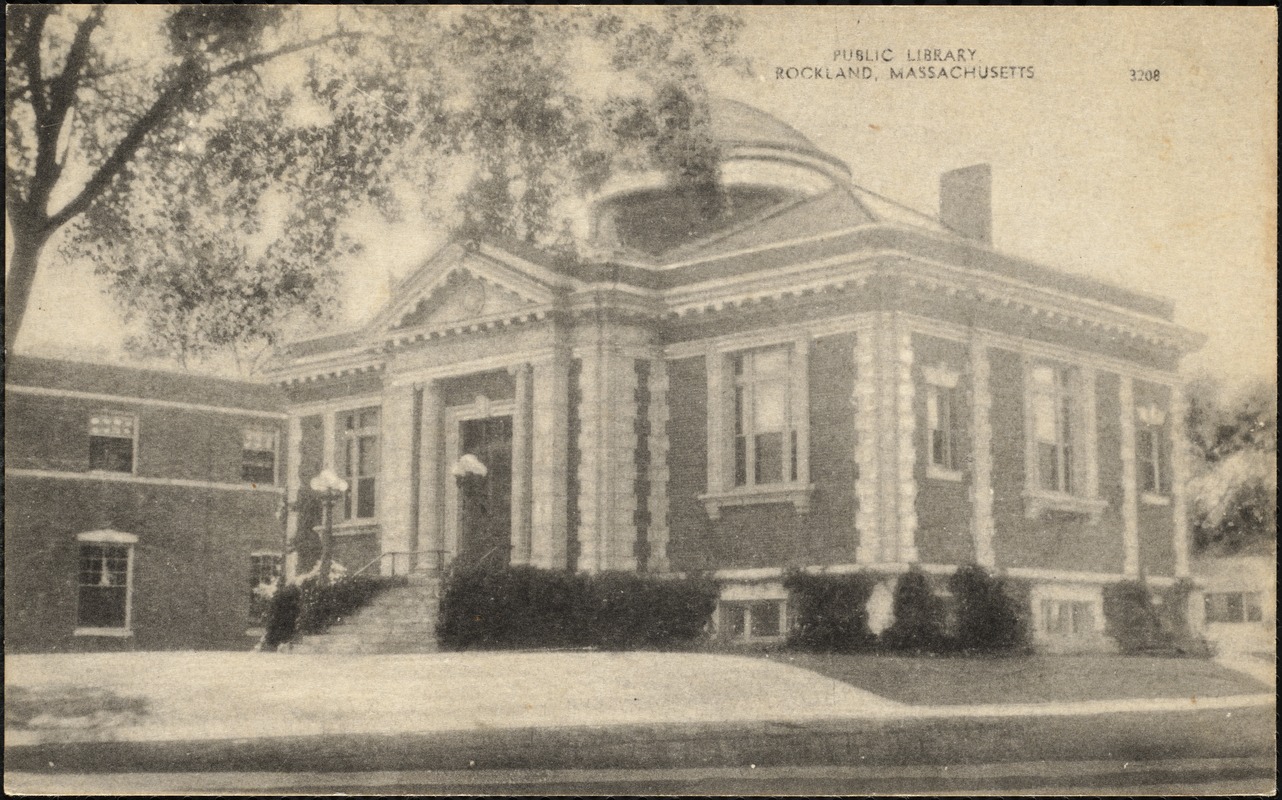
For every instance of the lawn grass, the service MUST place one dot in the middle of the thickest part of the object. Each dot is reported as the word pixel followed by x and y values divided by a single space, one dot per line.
pixel 68 706
pixel 1024 679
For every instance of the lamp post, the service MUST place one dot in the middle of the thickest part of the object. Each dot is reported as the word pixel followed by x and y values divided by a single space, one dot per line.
pixel 330 487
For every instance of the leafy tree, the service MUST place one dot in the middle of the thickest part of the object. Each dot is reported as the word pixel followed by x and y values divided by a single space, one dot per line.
pixel 205 157
pixel 1234 476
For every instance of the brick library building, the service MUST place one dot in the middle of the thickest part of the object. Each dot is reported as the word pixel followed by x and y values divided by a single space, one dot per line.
pixel 801 375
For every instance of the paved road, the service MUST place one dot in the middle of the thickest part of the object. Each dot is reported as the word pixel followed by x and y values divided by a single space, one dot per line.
pixel 1182 777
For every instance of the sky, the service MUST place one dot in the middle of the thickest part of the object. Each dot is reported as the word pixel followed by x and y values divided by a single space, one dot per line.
pixel 1166 186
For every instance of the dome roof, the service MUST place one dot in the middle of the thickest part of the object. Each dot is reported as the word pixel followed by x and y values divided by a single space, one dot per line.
pixel 735 124
pixel 765 165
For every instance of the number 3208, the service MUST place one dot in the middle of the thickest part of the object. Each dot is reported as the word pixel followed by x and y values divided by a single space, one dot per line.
pixel 1146 75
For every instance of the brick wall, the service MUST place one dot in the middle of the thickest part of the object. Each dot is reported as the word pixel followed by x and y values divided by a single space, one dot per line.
pixel 1156 522
pixel 191 562
pixel 766 535
pixel 943 506
pixel 52 433
pixel 1052 541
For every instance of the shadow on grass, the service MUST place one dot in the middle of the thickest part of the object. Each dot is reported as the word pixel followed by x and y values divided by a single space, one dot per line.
pixel 967 680
pixel 69 707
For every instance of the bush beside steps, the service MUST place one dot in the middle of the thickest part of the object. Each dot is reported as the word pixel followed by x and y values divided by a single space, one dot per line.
pixel 527 607
pixel 307 608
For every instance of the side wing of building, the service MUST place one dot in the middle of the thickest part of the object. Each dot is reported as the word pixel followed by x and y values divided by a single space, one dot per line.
pixel 141 507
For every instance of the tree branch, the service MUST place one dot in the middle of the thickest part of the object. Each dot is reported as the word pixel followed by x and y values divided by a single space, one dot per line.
pixel 30 55
pixel 182 87
pixel 61 96
pixel 185 85
pixel 263 58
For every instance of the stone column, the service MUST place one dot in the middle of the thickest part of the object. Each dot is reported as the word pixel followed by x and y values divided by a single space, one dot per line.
pixel 867 448
pixel 396 494
pixel 521 423
pixel 886 379
pixel 1130 497
pixel 981 453
pixel 1090 425
pixel 657 536
pixel 905 445
pixel 549 445
pixel 801 390
pixel 607 465
pixel 715 366
pixel 293 485
pixel 1179 475
pixel 329 440
pixel 431 498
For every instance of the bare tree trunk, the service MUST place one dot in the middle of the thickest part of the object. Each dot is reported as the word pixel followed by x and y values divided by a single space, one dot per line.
pixel 22 276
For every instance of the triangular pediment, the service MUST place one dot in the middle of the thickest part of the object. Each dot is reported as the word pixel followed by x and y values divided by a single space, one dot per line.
pixel 469 282
pixel 461 297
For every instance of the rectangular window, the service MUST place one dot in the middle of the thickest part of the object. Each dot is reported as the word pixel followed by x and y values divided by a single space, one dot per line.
pixel 360 462
pixel 1153 452
pixel 258 456
pixel 1055 424
pixel 765 436
pixel 111 442
pixel 264 579
pixel 1233 607
pixel 103 586
pixel 756 619
pixel 1068 617
pixel 941 427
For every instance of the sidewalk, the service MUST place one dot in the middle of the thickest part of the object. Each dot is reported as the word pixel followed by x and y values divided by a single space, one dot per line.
pixel 1164 777
pixel 230 711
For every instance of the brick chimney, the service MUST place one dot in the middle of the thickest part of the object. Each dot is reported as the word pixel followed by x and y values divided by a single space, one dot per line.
pixel 966 202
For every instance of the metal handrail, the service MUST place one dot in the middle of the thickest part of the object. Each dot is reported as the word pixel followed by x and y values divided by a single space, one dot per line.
pixel 413 560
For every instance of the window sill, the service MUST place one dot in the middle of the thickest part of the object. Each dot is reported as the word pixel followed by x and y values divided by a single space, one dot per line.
pixel 121 633
pixel 936 473
pixel 751 640
pixel 1152 499
pixel 351 528
pixel 797 494
pixel 1037 502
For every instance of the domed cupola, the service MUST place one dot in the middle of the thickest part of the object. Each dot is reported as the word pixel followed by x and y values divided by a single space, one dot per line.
pixel 765 164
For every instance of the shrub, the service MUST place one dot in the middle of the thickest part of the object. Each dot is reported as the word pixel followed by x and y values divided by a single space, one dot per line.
pixel 988 619
pixel 831 612
pixel 516 607
pixel 918 626
pixel 305 608
pixel 323 606
pixel 510 607
pixel 282 616
pixel 1133 619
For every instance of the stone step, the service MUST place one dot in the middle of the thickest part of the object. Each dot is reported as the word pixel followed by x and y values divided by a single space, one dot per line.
pixel 400 620
pixel 377 618
pixel 395 630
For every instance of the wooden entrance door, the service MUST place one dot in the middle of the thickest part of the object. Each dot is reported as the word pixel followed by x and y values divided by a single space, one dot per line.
pixel 485 504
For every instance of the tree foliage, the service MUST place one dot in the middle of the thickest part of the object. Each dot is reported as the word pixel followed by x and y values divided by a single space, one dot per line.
pixel 206 158
pixel 1234 475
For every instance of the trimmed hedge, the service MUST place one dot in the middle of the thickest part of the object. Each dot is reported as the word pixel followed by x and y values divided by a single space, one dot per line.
pixel 528 607
pixel 307 608
pixel 988 617
pixel 830 611
pixel 1132 618
pixel 918 626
